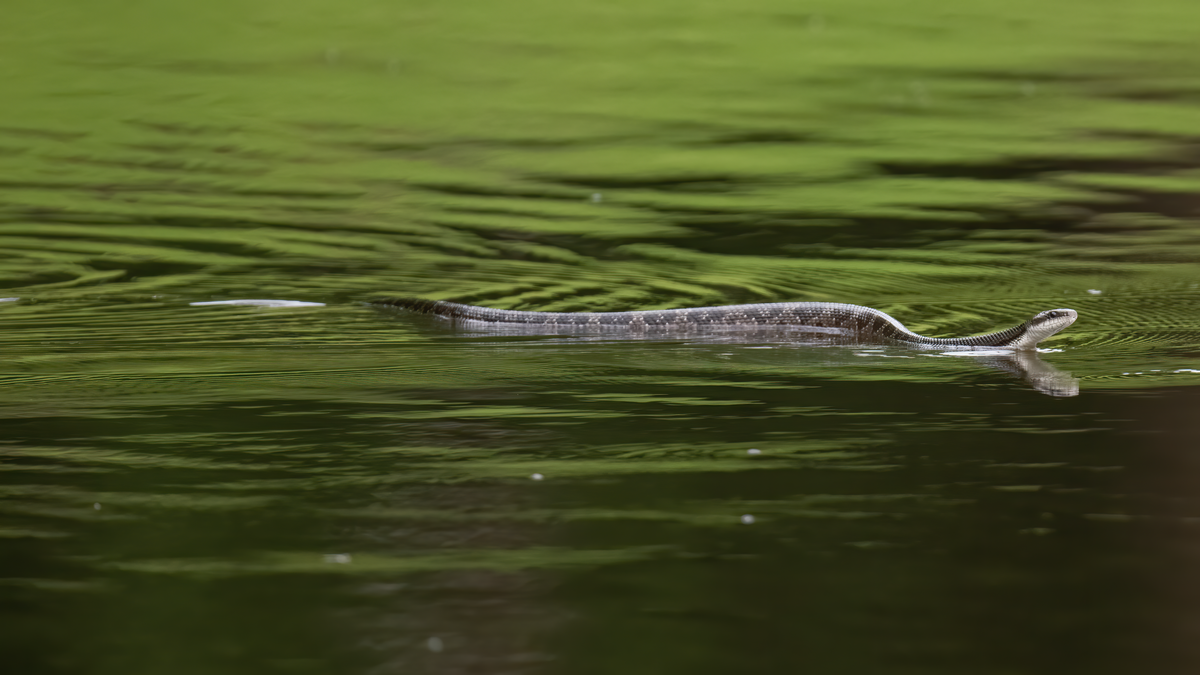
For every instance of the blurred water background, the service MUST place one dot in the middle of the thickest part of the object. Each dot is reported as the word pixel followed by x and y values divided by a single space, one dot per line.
pixel 336 489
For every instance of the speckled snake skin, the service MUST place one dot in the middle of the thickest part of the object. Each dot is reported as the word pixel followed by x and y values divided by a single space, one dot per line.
pixel 863 324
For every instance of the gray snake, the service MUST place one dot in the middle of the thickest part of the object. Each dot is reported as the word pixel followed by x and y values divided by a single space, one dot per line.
pixel 862 324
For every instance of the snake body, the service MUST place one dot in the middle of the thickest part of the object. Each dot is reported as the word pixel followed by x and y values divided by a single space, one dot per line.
pixel 861 324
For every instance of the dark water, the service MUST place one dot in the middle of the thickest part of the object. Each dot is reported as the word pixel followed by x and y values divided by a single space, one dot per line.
pixel 334 488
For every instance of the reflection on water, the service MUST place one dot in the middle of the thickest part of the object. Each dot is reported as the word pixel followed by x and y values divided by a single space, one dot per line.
pixel 1039 374
pixel 191 481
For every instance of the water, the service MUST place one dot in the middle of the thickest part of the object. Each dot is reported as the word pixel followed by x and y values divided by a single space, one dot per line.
pixel 333 488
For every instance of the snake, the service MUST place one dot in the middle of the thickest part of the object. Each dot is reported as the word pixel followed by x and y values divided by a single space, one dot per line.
pixel 858 323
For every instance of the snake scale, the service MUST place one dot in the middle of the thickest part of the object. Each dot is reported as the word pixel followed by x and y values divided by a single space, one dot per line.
pixel 862 324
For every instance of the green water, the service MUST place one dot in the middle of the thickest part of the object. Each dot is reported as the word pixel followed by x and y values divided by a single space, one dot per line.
pixel 339 489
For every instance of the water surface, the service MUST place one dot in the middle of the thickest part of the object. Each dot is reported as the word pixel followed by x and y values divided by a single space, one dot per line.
pixel 332 488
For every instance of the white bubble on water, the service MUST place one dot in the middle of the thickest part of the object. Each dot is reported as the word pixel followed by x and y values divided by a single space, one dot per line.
pixel 259 303
pixel 537 476
pixel 434 644
pixel 754 451
pixel 747 519
pixel 340 558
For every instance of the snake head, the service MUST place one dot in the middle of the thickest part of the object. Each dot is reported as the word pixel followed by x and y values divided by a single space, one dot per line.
pixel 1044 325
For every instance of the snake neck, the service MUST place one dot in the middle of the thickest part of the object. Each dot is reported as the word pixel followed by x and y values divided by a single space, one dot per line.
pixel 1008 338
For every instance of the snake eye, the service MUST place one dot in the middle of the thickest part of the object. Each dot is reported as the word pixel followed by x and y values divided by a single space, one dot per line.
pixel 1052 315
